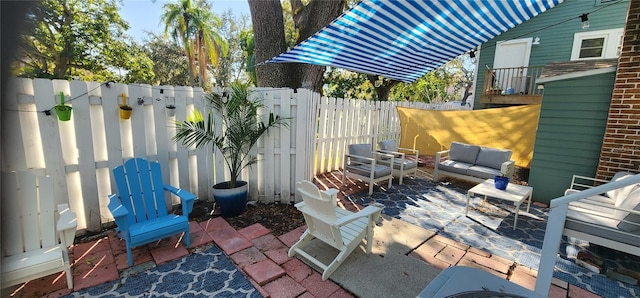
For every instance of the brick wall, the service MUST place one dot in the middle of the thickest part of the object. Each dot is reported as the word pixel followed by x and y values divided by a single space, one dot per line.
pixel 621 144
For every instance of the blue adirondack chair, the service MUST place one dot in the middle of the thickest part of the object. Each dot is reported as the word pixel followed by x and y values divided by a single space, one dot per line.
pixel 139 208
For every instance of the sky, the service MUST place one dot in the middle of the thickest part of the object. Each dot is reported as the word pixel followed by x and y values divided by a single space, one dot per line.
pixel 144 15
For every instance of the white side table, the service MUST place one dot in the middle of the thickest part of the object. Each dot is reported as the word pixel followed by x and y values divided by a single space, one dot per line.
pixel 514 193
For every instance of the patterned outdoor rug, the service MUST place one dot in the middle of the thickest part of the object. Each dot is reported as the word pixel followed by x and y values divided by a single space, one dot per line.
pixel 206 273
pixel 440 207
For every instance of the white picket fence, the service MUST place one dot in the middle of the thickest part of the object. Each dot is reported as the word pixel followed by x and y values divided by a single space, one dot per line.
pixel 80 153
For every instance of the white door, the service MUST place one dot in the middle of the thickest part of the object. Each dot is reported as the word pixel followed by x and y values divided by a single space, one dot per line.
pixel 510 61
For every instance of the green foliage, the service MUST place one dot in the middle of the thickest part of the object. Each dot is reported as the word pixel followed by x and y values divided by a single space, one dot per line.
pixel 195 27
pixel 341 83
pixel 169 63
pixel 446 83
pixel 232 66
pixel 432 87
pixel 239 129
pixel 79 39
pixel 248 48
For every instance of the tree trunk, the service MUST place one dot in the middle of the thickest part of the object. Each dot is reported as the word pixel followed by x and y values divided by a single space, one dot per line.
pixel 269 41
pixel 384 89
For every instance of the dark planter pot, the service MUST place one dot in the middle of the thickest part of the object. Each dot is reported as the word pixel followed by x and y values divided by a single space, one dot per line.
pixel 232 201
pixel 501 182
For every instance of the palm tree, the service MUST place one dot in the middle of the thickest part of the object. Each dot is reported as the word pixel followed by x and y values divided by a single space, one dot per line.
pixel 192 24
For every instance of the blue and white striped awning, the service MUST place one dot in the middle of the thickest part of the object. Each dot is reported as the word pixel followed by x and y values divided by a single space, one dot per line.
pixel 404 40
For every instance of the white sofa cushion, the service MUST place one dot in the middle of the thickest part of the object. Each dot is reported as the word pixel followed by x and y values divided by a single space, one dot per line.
pixel 464 152
pixel 483 172
pixel 365 170
pixel 454 166
pixel 632 202
pixel 492 158
pixel 618 195
pixel 408 164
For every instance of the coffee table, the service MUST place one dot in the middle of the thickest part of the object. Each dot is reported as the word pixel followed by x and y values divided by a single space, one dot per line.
pixel 514 193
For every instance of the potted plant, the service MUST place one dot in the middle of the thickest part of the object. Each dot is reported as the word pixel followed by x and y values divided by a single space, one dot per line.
pixel 169 103
pixel 63 111
pixel 125 109
pixel 500 181
pixel 241 129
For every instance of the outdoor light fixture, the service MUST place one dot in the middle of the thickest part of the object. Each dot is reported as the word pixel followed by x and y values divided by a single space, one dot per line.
pixel 378 82
pixel 585 20
pixel 472 55
pixel 536 41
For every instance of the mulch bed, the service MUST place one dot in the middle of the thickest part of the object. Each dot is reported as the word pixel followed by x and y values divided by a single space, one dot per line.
pixel 278 218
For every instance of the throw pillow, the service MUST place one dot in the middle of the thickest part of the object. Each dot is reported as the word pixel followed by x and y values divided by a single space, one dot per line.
pixel 619 194
pixel 363 150
pixel 463 152
pixel 492 158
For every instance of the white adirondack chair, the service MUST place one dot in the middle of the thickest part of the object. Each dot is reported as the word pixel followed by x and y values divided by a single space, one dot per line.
pixel 342 229
pixel 33 244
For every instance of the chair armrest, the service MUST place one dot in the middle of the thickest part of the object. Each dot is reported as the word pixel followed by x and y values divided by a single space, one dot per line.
pixel 442 156
pixel 582 182
pixel 186 198
pixel 371 210
pixel 383 155
pixel 68 219
pixel 119 212
pixel 331 194
pixel 397 154
pixel 66 225
pixel 507 168
pixel 372 160
pixel 414 152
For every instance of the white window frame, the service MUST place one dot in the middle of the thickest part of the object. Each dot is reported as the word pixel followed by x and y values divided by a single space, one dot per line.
pixel 612 43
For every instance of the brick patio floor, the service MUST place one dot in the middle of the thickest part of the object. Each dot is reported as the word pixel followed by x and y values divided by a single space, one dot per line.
pixel 262 257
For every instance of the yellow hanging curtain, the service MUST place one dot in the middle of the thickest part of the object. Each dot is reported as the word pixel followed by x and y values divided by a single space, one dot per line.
pixel 511 128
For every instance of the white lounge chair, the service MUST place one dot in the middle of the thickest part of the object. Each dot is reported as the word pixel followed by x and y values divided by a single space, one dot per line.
pixel 405 162
pixel 35 235
pixel 342 229
pixel 362 163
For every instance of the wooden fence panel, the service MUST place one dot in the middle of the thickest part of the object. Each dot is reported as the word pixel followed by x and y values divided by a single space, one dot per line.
pixel 14 158
pixel 79 154
pixel 161 95
pixel 45 99
pixel 283 188
pixel 81 117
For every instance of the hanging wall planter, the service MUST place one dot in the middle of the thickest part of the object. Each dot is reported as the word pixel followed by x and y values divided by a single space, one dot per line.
pixel 63 111
pixel 171 110
pixel 170 105
pixel 125 109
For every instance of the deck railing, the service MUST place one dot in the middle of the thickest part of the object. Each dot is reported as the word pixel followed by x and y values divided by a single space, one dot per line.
pixel 512 81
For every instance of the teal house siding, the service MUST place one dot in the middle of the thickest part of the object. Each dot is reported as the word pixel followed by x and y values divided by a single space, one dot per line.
pixel 572 123
pixel 555 28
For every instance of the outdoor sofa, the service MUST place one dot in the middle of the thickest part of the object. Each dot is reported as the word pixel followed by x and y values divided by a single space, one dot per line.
pixel 611 219
pixel 473 163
